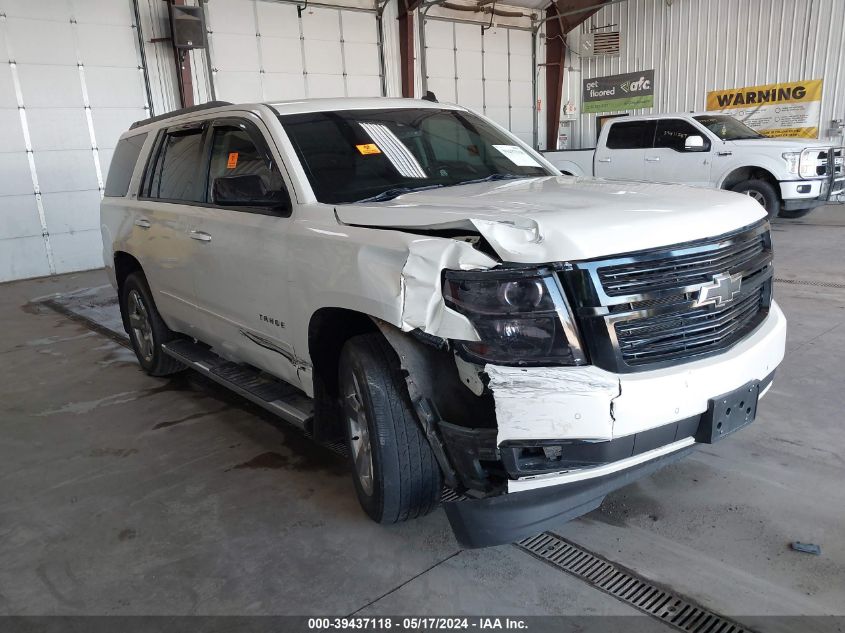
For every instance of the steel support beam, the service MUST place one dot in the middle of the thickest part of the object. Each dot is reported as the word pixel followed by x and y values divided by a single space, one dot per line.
pixel 562 17
pixel 406 44
pixel 183 65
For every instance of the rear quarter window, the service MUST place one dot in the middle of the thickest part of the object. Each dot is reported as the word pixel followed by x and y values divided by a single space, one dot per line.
pixel 123 165
pixel 631 135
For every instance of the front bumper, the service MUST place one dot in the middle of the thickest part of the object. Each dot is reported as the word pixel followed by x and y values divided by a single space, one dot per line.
pixel 508 518
pixel 612 428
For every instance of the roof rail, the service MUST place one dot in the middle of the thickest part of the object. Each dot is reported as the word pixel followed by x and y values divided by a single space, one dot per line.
pixel 175 113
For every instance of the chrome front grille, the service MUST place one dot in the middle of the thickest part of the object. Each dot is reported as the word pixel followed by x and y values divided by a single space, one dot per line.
pixel 688 332
pixel 643 310
pixel 675 271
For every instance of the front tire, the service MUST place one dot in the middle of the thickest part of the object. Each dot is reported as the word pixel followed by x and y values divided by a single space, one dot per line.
pixel 395 473
pixel 762 192
pixel 794 214
pixel 147 330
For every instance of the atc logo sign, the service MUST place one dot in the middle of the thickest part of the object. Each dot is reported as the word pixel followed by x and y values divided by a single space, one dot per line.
pixel 636 86
pixel 722 290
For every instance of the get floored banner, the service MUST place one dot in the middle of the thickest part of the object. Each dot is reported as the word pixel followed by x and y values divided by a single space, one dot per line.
pixel 629 91
pixel 787 109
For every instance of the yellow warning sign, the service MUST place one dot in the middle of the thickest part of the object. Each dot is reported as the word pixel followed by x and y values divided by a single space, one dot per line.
pixel 368 148
pixel 783 109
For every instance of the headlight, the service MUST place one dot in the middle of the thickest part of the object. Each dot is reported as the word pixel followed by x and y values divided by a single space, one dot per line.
pixel 806 163
pixel 520 315
pixel 792 160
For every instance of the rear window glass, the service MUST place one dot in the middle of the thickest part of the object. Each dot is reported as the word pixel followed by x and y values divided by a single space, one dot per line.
pixel 176 173
pixel 631 135
pixel 123 164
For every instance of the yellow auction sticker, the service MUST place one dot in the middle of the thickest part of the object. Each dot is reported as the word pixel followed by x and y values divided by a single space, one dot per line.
pixel 368 148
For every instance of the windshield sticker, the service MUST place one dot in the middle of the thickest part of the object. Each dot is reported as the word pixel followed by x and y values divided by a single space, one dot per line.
pixel 395 150
pixel 233 160
pixel 517 155
pixel 368 148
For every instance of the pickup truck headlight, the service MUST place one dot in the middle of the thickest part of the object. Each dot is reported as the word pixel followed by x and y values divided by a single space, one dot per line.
pixel 805 163
pixel 520 315
pixel 793 159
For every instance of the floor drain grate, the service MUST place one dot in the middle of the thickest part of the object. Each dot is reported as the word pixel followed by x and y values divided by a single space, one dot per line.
pixel 667 606
pixel 808 282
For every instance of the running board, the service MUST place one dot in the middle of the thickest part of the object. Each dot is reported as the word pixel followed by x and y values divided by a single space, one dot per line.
pixel 272 394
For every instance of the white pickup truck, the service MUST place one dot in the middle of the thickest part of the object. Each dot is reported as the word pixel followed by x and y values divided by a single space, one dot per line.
pixel 789 177
pixel 411 279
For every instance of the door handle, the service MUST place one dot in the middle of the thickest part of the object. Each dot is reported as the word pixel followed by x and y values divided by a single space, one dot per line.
pixel 724 153
pixel 144 223
pixel 653 159
pixel 200 235
pixel 604 160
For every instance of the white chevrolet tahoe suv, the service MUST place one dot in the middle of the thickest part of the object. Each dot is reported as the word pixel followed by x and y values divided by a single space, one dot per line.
pixel 789 177
pixel 411 279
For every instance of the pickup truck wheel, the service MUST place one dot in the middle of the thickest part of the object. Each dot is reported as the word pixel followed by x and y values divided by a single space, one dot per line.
pixel 762 192
pixel 794 214
pixel 147 331
pixel 395 473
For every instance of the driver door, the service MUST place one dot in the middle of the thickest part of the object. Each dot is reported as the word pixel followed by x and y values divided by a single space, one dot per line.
pixel 670 161
pixel 241 276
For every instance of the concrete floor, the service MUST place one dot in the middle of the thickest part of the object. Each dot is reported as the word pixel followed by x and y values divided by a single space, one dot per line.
pixel 125 494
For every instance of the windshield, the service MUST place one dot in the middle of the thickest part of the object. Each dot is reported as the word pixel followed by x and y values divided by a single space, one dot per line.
pixel 726 127
pixel 376 155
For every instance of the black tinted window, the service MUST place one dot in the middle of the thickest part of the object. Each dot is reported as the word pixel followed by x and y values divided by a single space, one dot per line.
pixel 359 154
pixel 235 153
pixel 672 133
pixel 123 164
pixel 630 135
pixel 176 174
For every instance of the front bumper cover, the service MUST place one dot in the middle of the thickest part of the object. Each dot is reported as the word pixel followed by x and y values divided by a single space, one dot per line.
pixel 510 517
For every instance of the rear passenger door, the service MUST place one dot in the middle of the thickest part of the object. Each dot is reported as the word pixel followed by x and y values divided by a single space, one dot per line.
pixel 241 276
pixel 622 156
pixel 670 161
pixel 170 189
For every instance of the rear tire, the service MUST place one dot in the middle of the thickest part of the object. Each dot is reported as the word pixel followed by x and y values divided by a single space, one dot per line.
pixel 395 473
pixel 762 192
pixel 147 330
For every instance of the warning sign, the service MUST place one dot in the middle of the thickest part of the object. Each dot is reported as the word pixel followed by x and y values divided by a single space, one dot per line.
pixel 785 109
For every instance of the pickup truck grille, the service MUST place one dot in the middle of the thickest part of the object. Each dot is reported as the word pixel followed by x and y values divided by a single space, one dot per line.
pixel 647 309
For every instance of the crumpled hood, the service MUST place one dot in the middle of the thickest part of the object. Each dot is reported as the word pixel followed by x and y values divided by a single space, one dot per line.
pixel 559 218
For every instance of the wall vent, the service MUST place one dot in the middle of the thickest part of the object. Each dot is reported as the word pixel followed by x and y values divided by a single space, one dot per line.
pixel 600 44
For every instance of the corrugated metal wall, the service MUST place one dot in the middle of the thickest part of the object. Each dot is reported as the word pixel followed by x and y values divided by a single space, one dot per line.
pixel 695 46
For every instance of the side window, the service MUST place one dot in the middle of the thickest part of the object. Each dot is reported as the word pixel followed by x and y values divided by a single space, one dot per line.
pixel 234 154
pixel 672 133
pixel 630 135
pixel 175 175
pixel 123 164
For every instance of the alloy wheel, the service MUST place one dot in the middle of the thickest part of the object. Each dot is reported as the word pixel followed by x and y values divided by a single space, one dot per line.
pixel 139 322
pixel 359 436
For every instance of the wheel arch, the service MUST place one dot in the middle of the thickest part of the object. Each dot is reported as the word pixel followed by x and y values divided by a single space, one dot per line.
pixel 124 265
pixel 750 172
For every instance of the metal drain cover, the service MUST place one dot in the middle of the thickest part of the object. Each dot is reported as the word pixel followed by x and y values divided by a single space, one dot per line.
pixel 658 602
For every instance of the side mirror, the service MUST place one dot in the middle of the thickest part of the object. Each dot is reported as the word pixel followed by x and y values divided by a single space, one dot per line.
pixel 248 190
pixel 694 143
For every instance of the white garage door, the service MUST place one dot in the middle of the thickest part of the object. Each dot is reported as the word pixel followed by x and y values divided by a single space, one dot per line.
pixel 69 86
pixel 264 51
pixel 490 73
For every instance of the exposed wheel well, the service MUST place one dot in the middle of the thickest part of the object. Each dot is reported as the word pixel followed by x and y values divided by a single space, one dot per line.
pixel 750 173
pixel 124 265
pixel 328 331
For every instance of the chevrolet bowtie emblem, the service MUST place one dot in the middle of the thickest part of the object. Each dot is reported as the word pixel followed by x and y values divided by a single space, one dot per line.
pixel 723 289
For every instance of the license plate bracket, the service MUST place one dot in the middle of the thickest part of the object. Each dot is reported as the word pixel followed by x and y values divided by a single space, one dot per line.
pixel 728 413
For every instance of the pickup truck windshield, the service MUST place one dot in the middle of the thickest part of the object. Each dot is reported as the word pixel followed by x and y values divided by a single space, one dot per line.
pixel 376 155
pixel 726 127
